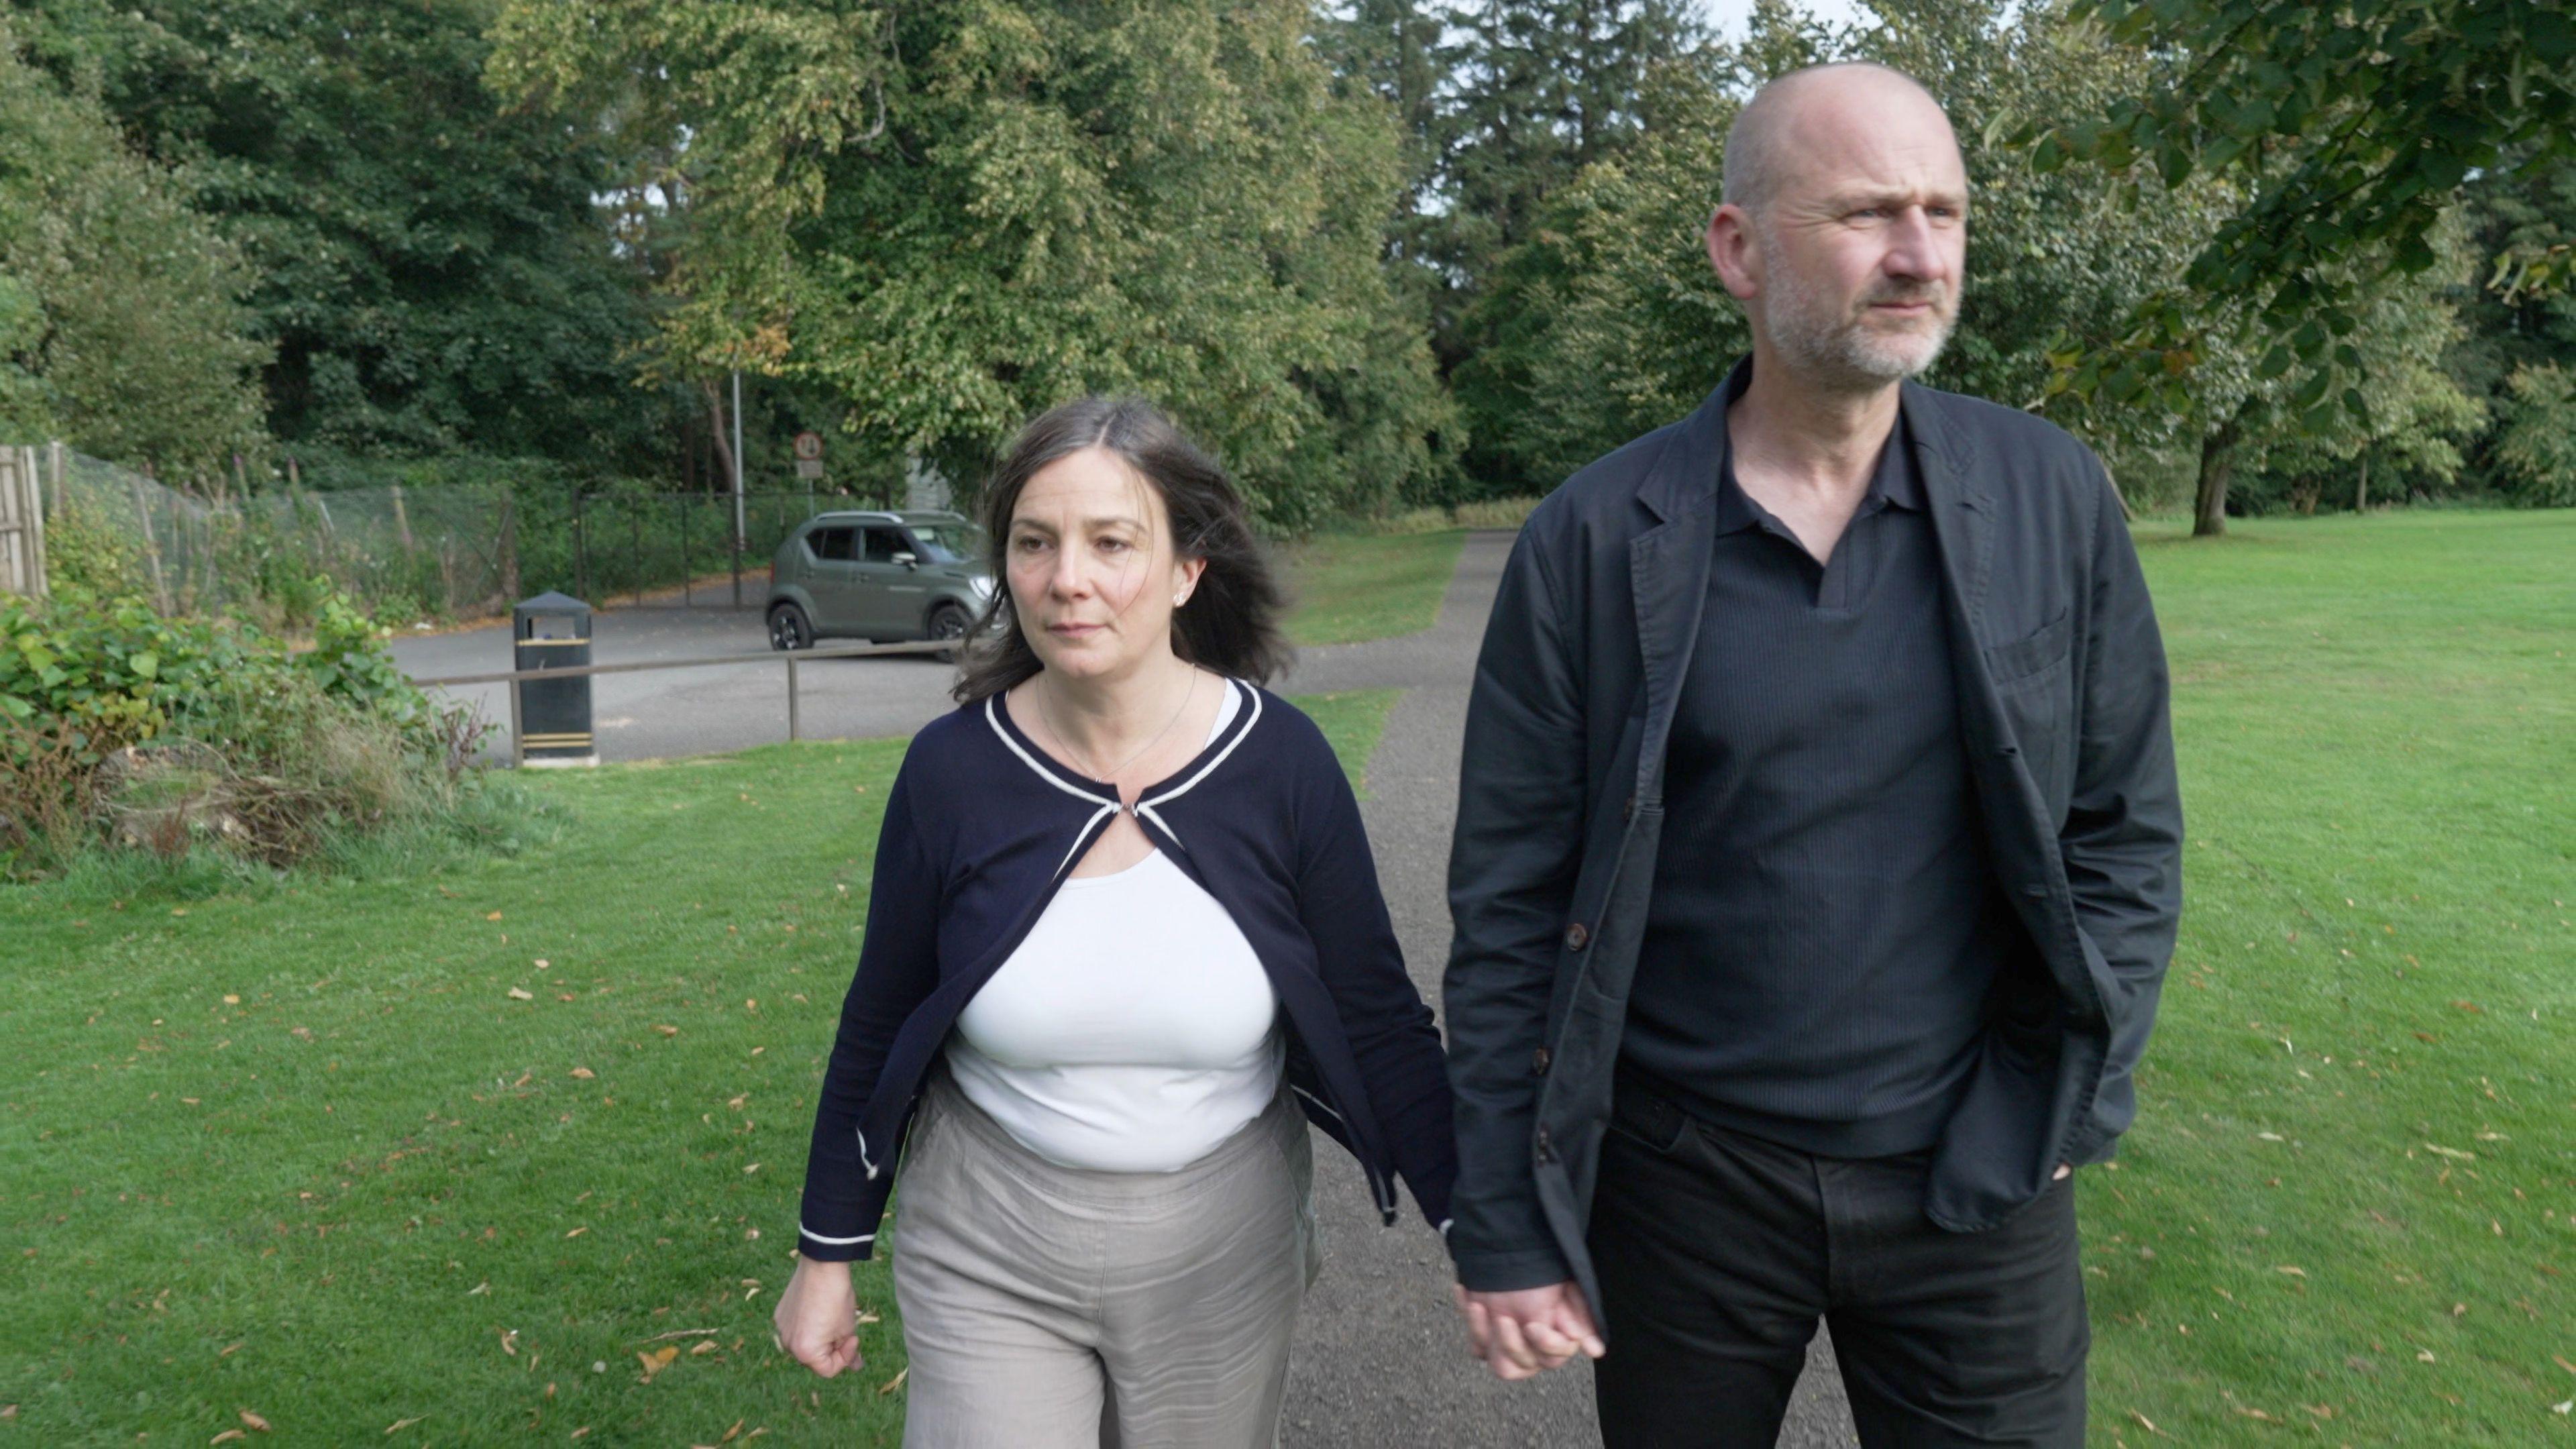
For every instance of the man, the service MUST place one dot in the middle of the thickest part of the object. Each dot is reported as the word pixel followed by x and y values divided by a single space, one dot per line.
pixel 1817 858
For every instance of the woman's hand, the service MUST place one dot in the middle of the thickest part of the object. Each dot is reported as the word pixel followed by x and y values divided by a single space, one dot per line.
pixel 817 1317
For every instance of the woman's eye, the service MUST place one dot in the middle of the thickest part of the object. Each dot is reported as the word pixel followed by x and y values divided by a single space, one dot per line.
pixel 1112 545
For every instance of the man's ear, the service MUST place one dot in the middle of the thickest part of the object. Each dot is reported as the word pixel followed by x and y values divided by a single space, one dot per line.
pixel 1733 253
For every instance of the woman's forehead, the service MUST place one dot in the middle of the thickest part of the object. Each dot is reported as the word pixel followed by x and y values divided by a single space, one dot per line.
pixel 1092 486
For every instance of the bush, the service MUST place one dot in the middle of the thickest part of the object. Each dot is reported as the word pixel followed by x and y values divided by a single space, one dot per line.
pixel 123 730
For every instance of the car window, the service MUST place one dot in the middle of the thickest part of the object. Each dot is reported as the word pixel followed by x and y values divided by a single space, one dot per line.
pixel 831 544
pixel 950 543
pixel 883 544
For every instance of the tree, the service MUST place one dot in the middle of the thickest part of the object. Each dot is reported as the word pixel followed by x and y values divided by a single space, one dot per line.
pixel 1613 323
pixel 120 315
pixel 955 216
pixel 430 273
pixel 2349 128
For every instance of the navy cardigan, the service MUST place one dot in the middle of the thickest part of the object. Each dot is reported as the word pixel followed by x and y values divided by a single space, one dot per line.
pixel 981 828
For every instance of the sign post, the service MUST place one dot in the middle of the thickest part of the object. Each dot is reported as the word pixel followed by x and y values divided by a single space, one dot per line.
pixel 809 455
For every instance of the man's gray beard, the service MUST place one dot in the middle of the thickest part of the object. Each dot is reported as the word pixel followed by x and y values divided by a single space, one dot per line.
pixel 1819 344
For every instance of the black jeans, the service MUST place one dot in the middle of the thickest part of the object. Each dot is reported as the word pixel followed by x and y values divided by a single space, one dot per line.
pixel 1718 1252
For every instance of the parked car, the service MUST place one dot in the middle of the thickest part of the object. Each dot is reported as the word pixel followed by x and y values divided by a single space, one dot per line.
pixel 880 576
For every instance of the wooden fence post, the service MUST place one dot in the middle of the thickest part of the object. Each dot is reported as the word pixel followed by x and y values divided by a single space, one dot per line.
pixel 151 544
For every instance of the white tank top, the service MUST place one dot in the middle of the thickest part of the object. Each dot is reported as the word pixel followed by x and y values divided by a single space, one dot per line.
pixel 1132 1031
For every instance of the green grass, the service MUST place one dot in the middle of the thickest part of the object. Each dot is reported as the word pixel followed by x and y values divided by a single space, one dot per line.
pixel 300 1151
pixel 1354 586
pixel 2347 1214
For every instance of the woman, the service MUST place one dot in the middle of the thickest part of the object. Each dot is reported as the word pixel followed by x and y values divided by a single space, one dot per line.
pixel 1124 930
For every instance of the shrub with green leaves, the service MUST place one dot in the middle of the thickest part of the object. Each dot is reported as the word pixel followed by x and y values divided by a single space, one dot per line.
pixel 119 727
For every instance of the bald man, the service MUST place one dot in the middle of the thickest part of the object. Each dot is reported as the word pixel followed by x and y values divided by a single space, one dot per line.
pixel 1818 852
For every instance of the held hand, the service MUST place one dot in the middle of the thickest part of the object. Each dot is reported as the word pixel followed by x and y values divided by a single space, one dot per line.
pixel 817 1317
pixel 2063 1172
pixel 1521 1333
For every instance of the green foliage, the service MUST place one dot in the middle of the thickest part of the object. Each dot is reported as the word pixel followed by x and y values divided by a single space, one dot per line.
pixel 429 271
pixel 122 727
pixel 2348 130
pixel 1171 199
pixel 2537 446
pixel 120 324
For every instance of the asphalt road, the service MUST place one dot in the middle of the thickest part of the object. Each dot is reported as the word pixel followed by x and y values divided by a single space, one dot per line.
pixel 1380 1358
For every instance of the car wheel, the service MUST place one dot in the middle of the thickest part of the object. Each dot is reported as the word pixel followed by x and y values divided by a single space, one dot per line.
pixel 949 622
pixel 789 628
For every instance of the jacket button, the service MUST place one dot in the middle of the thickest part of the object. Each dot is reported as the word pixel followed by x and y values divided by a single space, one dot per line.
pixel 1576 937
pixel 1538 1060
pixel 1546 1153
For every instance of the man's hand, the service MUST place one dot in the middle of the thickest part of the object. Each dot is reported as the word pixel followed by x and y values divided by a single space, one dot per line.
pixel 817 1317
pixel 1517 1334
pixel 2063 1172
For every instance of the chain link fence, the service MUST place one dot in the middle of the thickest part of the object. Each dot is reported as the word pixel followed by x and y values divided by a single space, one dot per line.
pixel 450 552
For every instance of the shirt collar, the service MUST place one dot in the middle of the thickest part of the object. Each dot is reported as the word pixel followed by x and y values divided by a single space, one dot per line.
pixel 1895 483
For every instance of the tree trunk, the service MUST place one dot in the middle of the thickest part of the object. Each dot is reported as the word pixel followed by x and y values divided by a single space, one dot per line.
pixel 2361 487
pixel 723 441
pixel 2217 466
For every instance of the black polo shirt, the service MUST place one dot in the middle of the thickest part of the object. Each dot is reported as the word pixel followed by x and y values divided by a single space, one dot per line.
pixel 1825 927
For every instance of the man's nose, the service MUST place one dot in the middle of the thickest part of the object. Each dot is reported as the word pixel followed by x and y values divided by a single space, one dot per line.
pixel 1914 249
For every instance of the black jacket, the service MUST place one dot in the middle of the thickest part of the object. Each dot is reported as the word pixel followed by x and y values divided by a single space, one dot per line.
pixel 981 828
pixel 2062 699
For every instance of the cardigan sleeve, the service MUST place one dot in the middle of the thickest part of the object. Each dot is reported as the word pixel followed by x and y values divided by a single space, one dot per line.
pixel 1390 1028
pixel 845 1193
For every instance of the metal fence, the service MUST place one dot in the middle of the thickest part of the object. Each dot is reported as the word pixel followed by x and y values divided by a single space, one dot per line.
pixel 451 552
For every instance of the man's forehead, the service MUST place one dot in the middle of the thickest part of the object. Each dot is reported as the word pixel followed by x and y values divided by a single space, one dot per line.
pixel 1882 141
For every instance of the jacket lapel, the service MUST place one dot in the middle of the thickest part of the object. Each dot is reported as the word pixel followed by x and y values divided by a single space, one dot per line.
pixel 1668 570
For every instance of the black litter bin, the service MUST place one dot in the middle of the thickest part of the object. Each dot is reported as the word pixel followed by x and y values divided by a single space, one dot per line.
pixel 552 631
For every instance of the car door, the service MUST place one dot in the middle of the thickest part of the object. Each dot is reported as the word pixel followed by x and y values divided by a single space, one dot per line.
pixel 889 579
pixel 831 578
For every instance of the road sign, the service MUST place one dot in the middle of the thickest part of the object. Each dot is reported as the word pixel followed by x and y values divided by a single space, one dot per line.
pixel 809 467
pixel 809 447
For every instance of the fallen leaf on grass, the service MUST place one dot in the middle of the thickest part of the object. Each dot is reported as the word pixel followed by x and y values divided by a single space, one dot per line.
pixel 583 1074
pixel 2256 1414
pixel 229 1349
pixel 582 1431
pixel 2292 1271
pixel 2453 1153
pixel 892 1384
pixel 232 1001
pixel 483 1287
pixel 2563 1363
pixel 517 994
pixel 496 915
pixel 228 1436
pixel 510 1342
pixel 2427 1036
pixel 253 1421
pixel 400 1424
pixel 668 1030
pixel 2267 1137
pixel 2470 1007
pixel 729 1434
pixel 656 1361
pixel 2569 1407
pixel 748 1171
pixel 2424 1355
pixel 8 1411
pixel 577 1232
pixel 707 1346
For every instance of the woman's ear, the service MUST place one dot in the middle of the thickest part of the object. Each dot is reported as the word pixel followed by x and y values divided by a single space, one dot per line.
pixel 1185 579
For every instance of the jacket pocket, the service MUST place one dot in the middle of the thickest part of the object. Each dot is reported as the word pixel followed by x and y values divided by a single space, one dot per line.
pixel 2032 654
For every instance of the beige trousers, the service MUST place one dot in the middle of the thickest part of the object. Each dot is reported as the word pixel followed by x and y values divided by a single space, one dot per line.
pixel 1046 1307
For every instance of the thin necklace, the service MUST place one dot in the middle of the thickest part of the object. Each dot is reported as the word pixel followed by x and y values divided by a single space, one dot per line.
pixel 1047 717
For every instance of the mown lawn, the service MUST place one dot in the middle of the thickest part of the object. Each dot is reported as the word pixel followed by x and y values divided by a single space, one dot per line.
pixel 1354 586
pixel 435 1160
pixel 2348 1212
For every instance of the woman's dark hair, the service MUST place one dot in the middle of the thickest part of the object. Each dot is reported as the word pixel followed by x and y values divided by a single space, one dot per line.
pixel 1231 624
